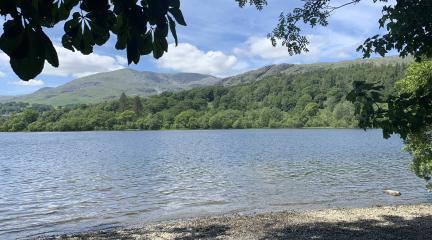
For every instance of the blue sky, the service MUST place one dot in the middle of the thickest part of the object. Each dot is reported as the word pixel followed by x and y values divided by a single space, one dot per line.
pixel 221 39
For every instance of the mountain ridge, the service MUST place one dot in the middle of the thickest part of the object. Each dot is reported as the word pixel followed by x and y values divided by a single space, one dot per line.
pixel 285 68
pixel 109 85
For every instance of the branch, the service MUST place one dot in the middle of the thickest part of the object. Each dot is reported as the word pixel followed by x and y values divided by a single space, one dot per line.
pixel 332 9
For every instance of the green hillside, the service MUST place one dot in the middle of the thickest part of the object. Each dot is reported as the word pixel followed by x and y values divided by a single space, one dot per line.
pixel 288 69
pixel 312 98
pixel 107 86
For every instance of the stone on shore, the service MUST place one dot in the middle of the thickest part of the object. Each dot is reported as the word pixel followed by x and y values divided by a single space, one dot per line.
pixel 392 192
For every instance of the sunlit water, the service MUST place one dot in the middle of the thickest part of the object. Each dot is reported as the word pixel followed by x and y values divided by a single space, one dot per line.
pixel 52 183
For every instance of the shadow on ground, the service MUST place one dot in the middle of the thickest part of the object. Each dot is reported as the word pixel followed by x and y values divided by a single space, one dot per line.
pixel 392 228
pixel 204 232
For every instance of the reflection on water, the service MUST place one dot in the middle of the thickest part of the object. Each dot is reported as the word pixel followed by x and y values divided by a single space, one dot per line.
pixel 62 182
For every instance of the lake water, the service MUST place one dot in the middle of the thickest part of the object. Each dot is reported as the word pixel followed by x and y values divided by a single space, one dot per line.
pixel 66 182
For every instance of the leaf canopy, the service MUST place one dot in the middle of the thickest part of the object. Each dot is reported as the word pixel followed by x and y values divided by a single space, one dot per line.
pixel 140 27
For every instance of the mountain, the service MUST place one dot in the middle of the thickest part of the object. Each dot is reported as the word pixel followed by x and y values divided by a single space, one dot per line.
pixel 5 98
pixel 109 85
pixel 315 97
pixel 105 86
pixel 256 75
pixel 291 69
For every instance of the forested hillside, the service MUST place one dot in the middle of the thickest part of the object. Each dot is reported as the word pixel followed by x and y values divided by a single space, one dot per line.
pixel 310 99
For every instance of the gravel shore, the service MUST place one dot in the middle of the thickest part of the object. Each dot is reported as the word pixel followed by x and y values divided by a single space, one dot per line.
pixel 389 222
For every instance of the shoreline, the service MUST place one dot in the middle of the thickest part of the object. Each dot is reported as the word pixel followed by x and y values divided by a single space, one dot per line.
pixel 380 222
pixel 198 129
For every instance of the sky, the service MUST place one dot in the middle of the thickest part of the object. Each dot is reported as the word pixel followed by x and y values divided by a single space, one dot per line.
pixel 221 39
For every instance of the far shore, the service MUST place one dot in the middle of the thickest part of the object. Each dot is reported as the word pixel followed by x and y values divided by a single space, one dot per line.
pixel 381 222
pixel 198 129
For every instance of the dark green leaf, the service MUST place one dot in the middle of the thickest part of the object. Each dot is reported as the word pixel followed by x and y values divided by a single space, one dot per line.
pixel 87 41
pixel 50 51
pixel 159 46
pixel 172 26
pixel 14 41
pixel 174 3
pixel 27 68
pixel 32 64
pixel 178 16
pixel 146 44
pixel 133 54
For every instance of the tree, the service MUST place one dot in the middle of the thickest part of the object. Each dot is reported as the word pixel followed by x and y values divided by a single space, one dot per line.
pixel 155 122
pixel 309 111
pixel 224 119
pixel 137 106
pixel 186 119
pixel 29 115
pixel 126 116
pixel 123 102
pixel 408 112
pixel 408 24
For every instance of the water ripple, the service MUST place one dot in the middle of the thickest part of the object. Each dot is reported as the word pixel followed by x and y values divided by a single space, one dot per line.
pixel 66 182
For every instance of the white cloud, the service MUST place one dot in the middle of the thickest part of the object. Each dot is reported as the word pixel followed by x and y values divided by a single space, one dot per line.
pixel 78 65
pixel 4 64
pixel 188 58
pixel 3 57
pixel 32 82
pixel 324 45
pixel 121 60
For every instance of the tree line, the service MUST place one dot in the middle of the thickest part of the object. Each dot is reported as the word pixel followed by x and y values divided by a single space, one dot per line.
pixel 310 99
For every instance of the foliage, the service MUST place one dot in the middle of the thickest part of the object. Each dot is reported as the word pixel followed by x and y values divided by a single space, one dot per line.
pixel 419 145
pixel 123 102
pixel 13 107
pixel 407 112
pixel 137 106
pixel 140 27
pixel 258 3
pixel 309 99
pixel 408 26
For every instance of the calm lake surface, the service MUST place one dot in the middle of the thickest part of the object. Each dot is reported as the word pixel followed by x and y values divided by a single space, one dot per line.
pixel 66 182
